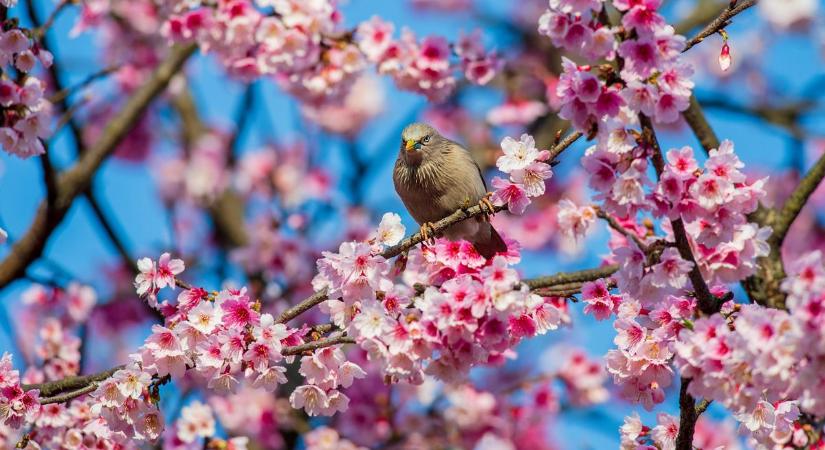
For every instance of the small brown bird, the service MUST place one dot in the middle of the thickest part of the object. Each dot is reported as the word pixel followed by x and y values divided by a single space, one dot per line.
pixel 434 177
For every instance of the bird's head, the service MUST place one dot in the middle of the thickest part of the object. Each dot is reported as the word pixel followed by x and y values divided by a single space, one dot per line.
pixel 419 140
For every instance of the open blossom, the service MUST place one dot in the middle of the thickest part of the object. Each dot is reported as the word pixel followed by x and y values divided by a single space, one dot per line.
pixel 3 236
pixel 390 230
pixel 575 221
pixel 196 421
pixel 205 317
pixel 517 154
pixel 511 194
pixel 154 276
pixel 600 302
pixel 671 270
pixel 310 398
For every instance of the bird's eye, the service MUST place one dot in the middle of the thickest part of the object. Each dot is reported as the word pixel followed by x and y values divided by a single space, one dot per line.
pixel 426 139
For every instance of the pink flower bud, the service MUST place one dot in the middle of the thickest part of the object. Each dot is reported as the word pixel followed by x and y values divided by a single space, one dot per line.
pixel 724 57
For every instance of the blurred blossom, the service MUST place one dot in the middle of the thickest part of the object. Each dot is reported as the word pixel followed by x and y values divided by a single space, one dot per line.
pixel 363 102
pixel 788 13
pixel 442 5
pixel 515 112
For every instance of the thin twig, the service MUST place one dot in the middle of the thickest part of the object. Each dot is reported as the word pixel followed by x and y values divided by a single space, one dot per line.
pixel 315 345
pixel 242 117
pixel 42 29
pixel 564 144
pixel 614 224
pixel 62 398
pixel 66 92
pixel 719 22
pixel 52 388
pixel 579 276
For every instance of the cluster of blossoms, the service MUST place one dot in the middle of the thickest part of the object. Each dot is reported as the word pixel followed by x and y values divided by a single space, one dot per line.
pixel 16 406
pixel 205 173
pixel 59 350
pixel 528 168
pixel 714 203
pixel 253 413
pixel 707 434
pixel 652 80
pixel 764 364
pixel 325 371
pixel 201 175
pixel 640 364
pixel 575 221
pixel 25 112
pixel 425 66
pixel 472 311
pixel 301 44
pixel 505 411
pixel 70 306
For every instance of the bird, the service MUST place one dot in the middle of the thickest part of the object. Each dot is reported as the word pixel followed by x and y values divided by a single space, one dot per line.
pixel 434 177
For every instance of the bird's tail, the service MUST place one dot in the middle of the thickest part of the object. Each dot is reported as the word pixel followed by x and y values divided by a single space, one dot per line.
pixel 488 242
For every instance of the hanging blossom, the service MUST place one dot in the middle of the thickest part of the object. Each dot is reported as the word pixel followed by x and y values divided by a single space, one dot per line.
pixel 303 46
pixel 528 171
pixel 765 365
pixel 652 80
pixel 26 113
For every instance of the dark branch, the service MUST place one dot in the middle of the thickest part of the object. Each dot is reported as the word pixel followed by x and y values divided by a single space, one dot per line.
pixel 708 303
pixel 794 204
pixel 76 179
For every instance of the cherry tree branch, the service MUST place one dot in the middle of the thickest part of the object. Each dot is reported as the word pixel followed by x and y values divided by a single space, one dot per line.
pixel 698 123
pixel 688 414
pixel 719 22
pixel 76 179
pixel 708 303
pixel 615 225
pixel 52 388
pixel 69 388
pixel 794 204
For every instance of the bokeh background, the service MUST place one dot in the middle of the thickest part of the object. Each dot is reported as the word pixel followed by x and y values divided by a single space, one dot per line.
pixel 771 103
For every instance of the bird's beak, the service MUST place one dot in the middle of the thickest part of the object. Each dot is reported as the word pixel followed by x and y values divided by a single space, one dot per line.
pixel 410 145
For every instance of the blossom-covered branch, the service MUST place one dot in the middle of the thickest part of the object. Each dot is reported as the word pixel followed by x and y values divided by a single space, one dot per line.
pixel 708 303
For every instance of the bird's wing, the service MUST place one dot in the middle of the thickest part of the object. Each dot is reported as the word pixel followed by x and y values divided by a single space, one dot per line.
pixel 481 175
pixel 475 163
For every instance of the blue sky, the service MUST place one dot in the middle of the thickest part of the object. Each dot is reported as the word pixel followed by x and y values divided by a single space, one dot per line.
pixel 129 196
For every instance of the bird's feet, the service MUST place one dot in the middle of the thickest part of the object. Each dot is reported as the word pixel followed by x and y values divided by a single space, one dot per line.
pixel 486 206
pixel 427 231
